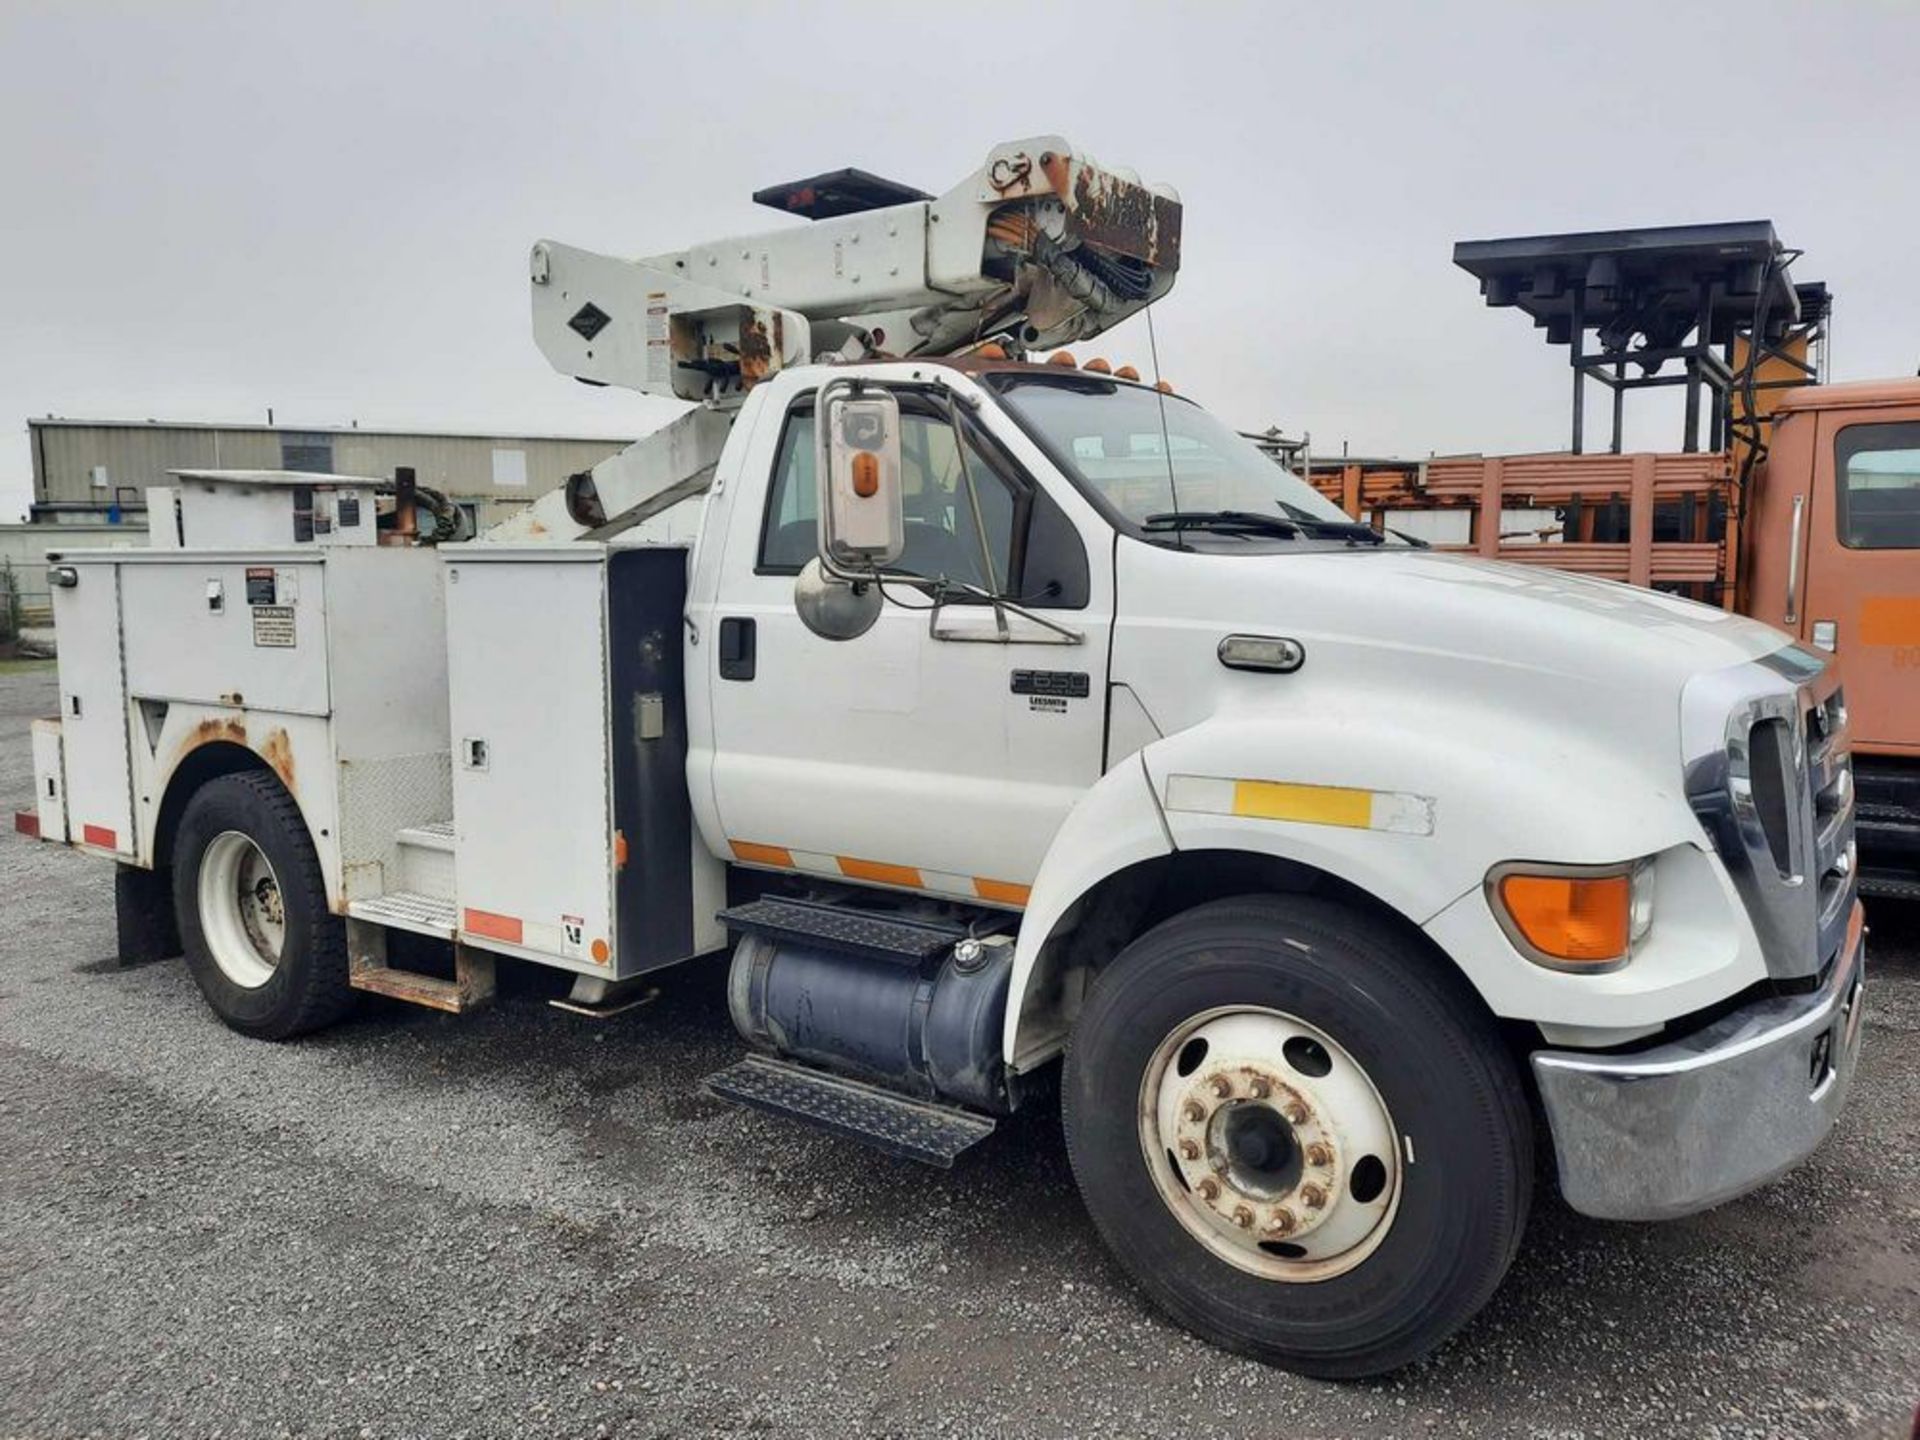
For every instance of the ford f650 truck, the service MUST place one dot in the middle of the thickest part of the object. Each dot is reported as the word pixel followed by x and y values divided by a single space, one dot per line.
pixel 985 706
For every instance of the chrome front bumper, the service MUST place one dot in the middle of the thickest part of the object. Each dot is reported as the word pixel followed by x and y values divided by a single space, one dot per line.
pixel 1689 1124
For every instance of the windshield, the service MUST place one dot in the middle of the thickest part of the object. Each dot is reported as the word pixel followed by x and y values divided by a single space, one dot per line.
pixel 1109 435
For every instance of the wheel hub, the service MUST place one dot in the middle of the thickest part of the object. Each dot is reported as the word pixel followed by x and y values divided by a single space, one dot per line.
pixel 1256 1150
pixel 243 915
pixel 1270 1144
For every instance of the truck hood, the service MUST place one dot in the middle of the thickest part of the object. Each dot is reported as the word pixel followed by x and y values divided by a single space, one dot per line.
pixel 1546 619
pixel 1401 627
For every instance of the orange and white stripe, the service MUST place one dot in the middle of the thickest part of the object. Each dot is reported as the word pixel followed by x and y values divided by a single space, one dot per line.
pixel 894 876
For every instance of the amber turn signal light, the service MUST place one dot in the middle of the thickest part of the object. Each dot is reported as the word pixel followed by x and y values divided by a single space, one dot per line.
pixel 866 474
pixel 1574 920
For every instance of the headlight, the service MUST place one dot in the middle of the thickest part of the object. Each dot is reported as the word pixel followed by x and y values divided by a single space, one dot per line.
pixel 1584 918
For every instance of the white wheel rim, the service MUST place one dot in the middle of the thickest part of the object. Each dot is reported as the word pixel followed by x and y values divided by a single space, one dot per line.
pixel 242 912
pixel 1270 1144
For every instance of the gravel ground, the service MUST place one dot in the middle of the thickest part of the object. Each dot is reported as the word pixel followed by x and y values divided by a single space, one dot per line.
pixel 523 1222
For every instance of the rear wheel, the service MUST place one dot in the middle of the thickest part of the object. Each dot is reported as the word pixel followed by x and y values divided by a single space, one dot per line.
pixel 268 955
pixel 1299 1134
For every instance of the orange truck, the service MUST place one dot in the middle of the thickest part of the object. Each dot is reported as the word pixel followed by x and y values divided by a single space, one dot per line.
pixel 1803 509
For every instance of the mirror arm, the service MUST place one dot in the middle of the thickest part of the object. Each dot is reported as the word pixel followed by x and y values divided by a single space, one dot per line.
pixel 1002 607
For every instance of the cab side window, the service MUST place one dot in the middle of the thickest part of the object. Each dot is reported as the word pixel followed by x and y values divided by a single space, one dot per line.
pixel 790 536
pixel 1878 468
pixel 1031 553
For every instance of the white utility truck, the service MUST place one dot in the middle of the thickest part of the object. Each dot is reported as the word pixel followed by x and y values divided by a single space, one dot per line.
pixel 996 713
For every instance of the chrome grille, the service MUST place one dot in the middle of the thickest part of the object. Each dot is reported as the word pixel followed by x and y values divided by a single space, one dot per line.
pixel 1776 796
pixel 1830 777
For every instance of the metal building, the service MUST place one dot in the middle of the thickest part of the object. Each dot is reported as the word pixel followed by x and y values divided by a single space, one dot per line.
pixel 98 471
pixel 90 477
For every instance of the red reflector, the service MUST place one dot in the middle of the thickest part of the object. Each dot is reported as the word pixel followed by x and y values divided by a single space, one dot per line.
pixel 493 927
pixel 27 822
pixel 101 836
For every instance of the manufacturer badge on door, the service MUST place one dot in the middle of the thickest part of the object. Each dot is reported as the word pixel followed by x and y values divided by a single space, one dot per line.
pixel 1050 690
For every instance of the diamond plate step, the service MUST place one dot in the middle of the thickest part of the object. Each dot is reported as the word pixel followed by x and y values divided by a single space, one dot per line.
pixel 407 910
pixel 437 836
pixel 911 1129
pixel 856 932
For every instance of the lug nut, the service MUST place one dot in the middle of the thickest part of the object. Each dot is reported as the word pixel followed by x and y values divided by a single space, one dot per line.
pixel 1260 1086
pixel 1298 1113
pixel 1221 1086
pixel 1282 1223
pixel 1209 1189
pixel 1319 1155
pixel 1189 1150
pixel 1194 1111
pixel 1243 1217
pixel 1312 1196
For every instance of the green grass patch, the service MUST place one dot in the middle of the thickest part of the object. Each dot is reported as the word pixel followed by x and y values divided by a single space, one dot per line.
pixel 24 667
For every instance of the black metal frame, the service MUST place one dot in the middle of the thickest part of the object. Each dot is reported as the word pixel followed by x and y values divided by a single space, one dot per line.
pixel 1731 280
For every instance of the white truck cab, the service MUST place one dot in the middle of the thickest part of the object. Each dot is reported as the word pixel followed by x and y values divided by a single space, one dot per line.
pixel 996 712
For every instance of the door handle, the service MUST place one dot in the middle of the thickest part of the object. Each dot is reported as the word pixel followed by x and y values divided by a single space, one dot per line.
pixel 737 637
pixel 1793 559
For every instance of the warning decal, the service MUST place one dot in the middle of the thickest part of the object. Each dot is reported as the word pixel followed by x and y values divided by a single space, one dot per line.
pixel 273 626
pixel 659 340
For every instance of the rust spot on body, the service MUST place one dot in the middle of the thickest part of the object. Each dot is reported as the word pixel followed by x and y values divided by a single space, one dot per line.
pixel 1126 219
pixel 228 728
pixel 756 352
pixel 277 751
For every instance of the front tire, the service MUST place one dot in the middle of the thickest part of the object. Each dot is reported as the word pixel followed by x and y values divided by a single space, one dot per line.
pixel 267 954
pixel 1299 1133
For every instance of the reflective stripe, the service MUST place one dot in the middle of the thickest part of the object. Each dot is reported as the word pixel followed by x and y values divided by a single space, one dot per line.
pixel 879 872
pixel 1310 804
pixel 882 872
pixel 752 854
pixel 1001 892
pixel 493 927
pixel 1343 806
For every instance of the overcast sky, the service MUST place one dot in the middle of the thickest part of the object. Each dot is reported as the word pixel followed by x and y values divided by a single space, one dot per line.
pixel 208 210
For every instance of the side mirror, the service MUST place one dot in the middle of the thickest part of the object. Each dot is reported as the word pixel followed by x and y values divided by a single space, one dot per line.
pixel 862 511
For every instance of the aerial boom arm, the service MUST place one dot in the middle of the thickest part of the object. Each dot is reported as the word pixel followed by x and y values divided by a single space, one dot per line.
pixel 1038 247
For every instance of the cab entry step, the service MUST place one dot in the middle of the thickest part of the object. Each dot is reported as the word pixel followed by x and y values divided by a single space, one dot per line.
pixel 850 931
pixel 912 1129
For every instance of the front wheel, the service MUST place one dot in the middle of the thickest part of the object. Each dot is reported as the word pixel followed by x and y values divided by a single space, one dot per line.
pixel 1299 1134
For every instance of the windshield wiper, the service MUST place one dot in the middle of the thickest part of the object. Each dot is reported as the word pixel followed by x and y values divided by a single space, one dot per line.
pixel 1292 525
pixel 1229 520
pixel 1319 529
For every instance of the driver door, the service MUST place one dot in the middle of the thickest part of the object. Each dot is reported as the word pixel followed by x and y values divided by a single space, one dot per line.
pixel 928 753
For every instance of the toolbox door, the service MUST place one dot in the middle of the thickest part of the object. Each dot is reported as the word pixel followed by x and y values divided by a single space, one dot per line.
pixel 93 709
pixel 526 666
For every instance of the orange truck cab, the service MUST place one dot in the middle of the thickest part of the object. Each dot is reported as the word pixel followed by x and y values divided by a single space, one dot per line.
pixel 1832 545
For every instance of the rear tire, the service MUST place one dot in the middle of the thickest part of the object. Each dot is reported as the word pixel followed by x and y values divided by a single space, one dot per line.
pixel 265 950
pixel 1344 1183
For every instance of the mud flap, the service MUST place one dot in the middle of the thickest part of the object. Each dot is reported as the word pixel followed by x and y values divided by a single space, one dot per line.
pixel 143 915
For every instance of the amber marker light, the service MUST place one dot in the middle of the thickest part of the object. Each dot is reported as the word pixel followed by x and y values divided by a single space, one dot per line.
pixel 1574 918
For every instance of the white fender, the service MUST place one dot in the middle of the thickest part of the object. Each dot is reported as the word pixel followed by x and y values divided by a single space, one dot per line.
pixel 1115 824
pixel 1449 811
